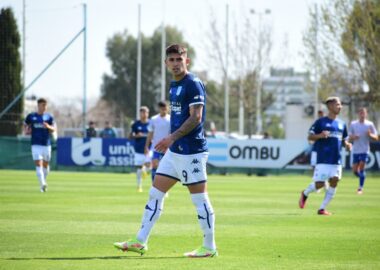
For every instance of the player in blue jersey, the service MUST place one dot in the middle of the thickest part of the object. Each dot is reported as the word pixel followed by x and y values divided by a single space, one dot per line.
pixel 361 132
pixel 329 134
pixel 185 157
pixel 40 125
pixel 139 133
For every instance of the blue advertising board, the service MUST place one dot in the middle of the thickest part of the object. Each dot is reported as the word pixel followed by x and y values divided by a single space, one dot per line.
pixel 95 151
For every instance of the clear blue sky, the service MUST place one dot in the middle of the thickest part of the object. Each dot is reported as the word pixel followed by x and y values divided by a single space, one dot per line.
pixel 51 24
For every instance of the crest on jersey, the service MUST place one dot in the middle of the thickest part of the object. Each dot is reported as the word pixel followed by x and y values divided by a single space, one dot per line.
pixel 179 89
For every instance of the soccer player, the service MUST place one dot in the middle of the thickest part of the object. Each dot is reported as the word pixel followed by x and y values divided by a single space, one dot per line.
pixel 108 131
pixel 159 128
pixel 329 134
pixel 139 133
pixel 185 159
pixel 361 131
pixel 40 125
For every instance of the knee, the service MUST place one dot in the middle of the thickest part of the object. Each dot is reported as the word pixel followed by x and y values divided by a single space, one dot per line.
pixel 319 185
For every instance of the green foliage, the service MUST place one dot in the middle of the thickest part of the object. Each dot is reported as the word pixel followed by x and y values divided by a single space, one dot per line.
pixel 361 44
pixel 119 87
pixel 10 73
pixel 347 53
pixel 258 224
pixel 274 128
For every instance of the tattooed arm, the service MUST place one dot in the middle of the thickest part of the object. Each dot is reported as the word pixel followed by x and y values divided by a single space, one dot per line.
pixel 194 119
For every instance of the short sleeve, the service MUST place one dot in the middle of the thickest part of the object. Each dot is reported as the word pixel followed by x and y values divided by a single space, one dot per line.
pixel 373 129
pixel 51 120
pixel 345 133
pixel 196 92
pixel 134 127
pixel 315 128
pixel 351 129
pixel 28 119
pixel 150 126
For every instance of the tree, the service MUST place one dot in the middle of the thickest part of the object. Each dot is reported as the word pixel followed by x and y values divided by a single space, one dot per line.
pixel 10 73
pixel 361 44
pixel 347 53
pixel 119 87
pixel 248 59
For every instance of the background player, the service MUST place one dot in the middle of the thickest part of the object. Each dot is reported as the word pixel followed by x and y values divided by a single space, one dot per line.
pixel 139 133
pixel 329 133
pixel 40 125
pixel 361 131
pixel 159 128
pixel 185 160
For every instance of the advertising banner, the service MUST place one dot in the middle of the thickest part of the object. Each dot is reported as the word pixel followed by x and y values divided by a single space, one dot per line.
pixel 226 153
pixel 275 154
pixel 95 151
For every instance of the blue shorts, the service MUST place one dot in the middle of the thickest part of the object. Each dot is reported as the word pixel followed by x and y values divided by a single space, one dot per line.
pixel 360 157
pixel 157 155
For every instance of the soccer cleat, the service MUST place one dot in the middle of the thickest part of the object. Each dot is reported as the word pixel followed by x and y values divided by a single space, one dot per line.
pixel 201 252
pixel 133 245
pixel 302 200
pixel 140 189
pixel 360 191
pixel 324 212
pixel 43 188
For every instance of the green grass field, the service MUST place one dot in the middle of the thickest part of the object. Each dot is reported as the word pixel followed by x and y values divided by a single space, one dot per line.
pixel 258 224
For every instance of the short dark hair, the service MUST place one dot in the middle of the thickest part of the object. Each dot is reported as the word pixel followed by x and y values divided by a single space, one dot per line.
pixel 162 104
pixel 176 48
pixel 41 100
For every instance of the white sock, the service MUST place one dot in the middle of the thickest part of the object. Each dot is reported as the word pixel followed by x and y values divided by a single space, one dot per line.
pixel 138 174
pixel 311 188
pixel 40 176
pixel 152 212
pixel 206 218
pixel 46 172
pixel 328 197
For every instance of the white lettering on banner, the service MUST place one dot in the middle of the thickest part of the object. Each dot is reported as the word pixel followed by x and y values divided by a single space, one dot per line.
pixel 93 146
pixel 121 149
pixel 254 153
pixel 276 154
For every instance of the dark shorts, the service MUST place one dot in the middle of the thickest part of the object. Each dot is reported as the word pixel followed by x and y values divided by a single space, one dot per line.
pixel 157 155
pixel 360 158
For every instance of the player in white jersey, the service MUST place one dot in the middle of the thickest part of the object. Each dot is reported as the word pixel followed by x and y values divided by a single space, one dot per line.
pixel 361 132
pixel 329 134
pixel 185 158
pixel 159 128
pixel 40 125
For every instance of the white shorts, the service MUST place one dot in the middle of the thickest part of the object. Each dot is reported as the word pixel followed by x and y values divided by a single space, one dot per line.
pixel 141 159
pixel 313 158
pixel 41 152
pixel 324 172
pixel 188 169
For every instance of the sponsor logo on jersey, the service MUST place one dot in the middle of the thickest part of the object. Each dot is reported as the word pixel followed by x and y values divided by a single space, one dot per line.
pixel 38 125
pixel 176 107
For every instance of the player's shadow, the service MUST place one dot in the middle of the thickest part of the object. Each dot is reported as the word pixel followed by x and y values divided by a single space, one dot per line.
pixel 93 258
